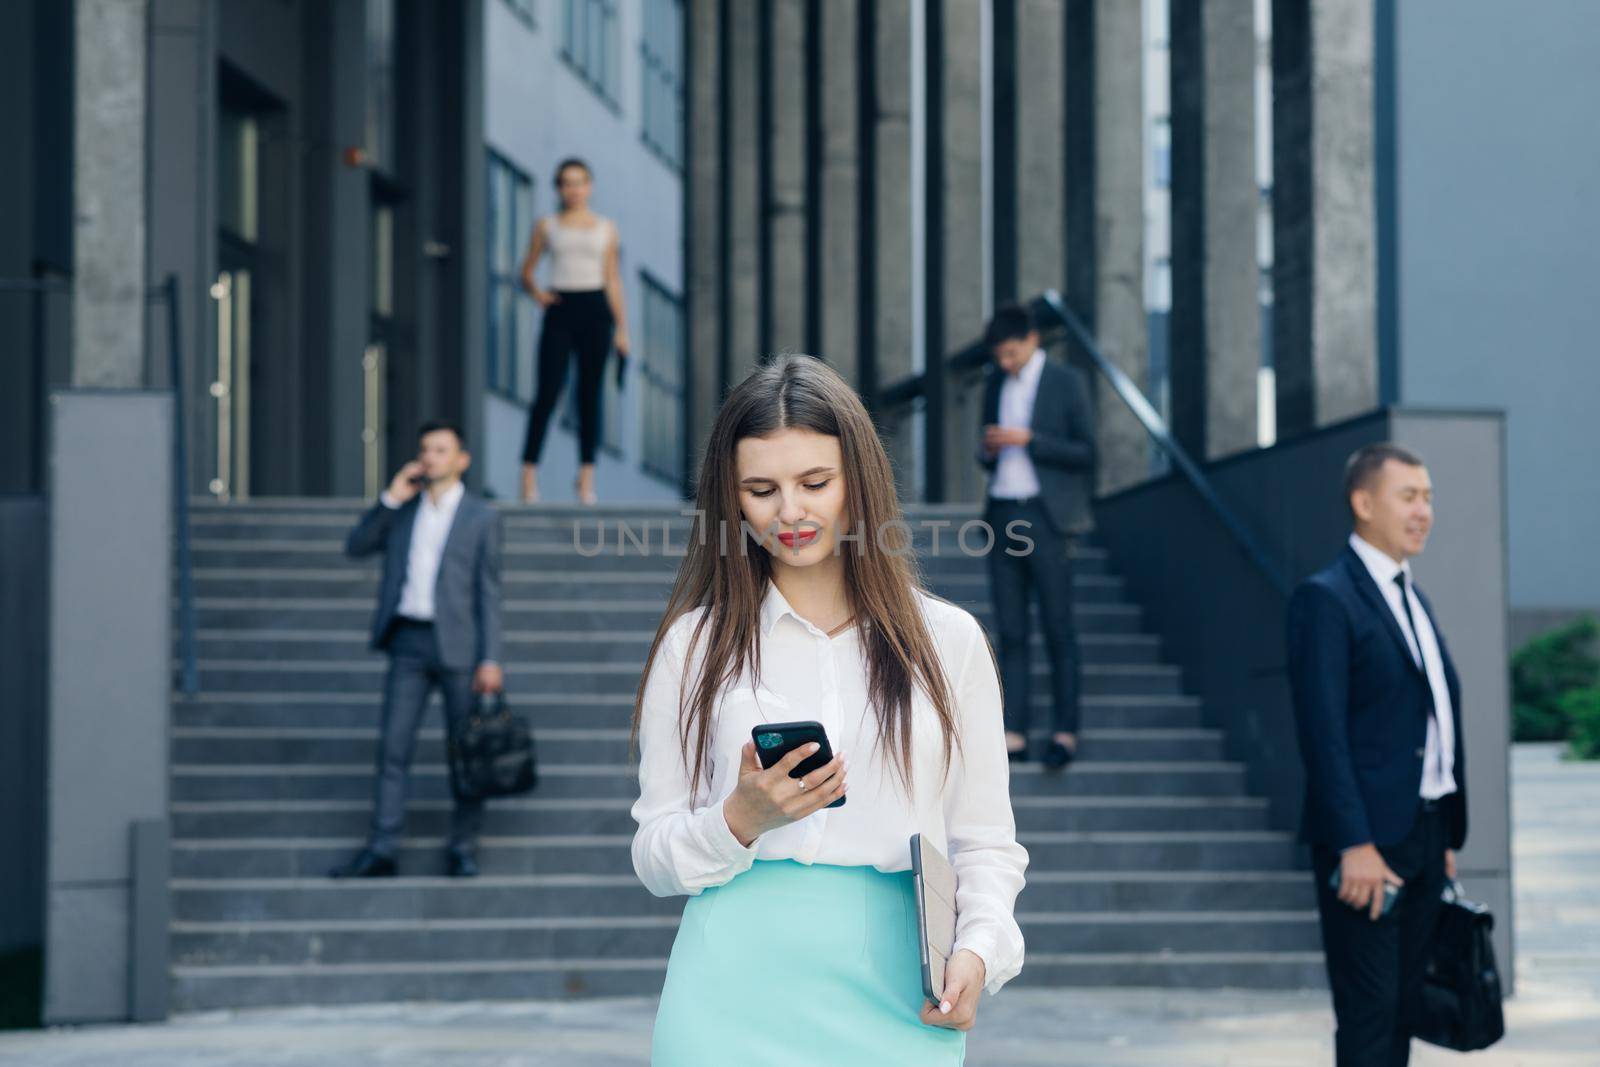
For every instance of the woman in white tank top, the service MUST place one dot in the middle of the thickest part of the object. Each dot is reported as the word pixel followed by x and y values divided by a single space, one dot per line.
pixel 583 312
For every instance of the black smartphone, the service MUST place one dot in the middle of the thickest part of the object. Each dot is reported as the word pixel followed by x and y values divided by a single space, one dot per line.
pixel 622 365
pixel 775 740
pixel 1391 892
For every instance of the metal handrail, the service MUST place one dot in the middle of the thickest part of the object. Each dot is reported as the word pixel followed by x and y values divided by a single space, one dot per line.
pixel 908 389
pixel 1157 428
pixel 188 668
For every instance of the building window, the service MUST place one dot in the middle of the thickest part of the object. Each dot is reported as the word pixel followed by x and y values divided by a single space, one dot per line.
pixel 589 45
pixel 523 9
pixel 662 51
pixel 510 333
pixel 661 381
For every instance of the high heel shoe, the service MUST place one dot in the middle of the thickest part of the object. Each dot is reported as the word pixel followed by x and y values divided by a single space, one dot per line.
pixel 591 498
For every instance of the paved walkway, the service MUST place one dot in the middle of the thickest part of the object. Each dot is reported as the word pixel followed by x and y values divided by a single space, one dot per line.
pixel 1554 1021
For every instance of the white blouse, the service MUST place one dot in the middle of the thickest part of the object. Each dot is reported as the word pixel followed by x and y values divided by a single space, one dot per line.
pixel 683 843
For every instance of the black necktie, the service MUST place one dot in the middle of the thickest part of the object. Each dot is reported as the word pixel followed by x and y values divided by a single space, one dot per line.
pixel 1411 620
pixel 1422 661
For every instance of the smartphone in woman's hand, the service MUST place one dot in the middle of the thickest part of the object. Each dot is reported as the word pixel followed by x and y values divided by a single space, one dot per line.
pixel 774 740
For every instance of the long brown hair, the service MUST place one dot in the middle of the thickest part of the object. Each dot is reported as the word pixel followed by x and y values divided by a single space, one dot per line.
pixel 882 581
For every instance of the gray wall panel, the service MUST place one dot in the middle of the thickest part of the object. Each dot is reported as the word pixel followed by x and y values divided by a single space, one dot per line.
pixel 1496 108
pixel 110 654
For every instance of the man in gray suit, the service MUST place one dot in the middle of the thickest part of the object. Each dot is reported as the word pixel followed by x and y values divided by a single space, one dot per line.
pixel 438 618
pixel 1038 447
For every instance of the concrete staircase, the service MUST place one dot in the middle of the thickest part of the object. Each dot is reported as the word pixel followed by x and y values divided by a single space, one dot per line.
pixel 1150 864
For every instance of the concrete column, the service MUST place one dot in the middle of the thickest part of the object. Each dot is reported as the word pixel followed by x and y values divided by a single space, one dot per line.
pixel 1325 290
pixel 1120 321
pixel 839 240
pixel 963 289
pixel 108 314
pixel 743 210
pixel 703 216
pixel 110 679
pixel 785 274
pixel 1041 157
pixel 891 195
pixel 1216 336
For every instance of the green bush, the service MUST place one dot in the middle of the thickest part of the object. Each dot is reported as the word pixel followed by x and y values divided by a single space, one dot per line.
pixel 1582 708
pixel 1547 669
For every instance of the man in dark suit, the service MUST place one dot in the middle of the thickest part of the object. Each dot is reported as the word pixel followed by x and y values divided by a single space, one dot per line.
pixel 1038 447
pixel 438 618
pixel 1378 705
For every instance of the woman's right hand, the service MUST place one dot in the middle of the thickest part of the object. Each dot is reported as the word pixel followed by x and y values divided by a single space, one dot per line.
pixel 545 297
pixel 767 798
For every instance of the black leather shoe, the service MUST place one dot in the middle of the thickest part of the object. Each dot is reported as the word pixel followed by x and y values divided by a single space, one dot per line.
pixel 368 864
pixel 462 865
pixel 1017 756
pixel 1057 755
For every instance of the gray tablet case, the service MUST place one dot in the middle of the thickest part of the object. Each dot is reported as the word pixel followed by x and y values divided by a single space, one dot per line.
pixel 936 912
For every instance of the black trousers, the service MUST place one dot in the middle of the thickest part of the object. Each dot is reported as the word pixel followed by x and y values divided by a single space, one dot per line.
pixel 1375 968
pixel 582 321
pixel 1047 572
pixel 414 671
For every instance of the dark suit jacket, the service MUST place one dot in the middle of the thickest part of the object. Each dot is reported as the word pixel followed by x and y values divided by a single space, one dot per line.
pixel 1362 706
pixel 466 594
pixel 1062 448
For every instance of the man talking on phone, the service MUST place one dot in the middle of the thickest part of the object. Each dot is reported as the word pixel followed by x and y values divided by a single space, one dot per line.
pixel 438 618
pixel 1377 703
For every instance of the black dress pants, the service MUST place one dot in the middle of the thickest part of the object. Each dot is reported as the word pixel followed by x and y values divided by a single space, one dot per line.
pixel 1375 968
pixel 582 321
pixel 1045 571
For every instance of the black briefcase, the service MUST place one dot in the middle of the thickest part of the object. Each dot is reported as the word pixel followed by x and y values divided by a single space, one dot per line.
pixel 1461 996
pixel 491 753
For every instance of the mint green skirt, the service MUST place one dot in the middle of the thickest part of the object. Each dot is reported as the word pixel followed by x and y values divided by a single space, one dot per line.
pixel 791 963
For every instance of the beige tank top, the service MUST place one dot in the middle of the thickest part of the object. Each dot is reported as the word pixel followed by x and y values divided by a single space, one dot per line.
pixel 578 254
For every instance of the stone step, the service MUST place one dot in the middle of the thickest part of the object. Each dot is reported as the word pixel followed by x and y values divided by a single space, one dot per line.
pixel 281 857
pixel 521 816
pixel 538 646
pixel 357 941
pixel 266 708
pixel 589 677
pixel 516 554
pixel 210 988
pixel 257 781
pixel 1176 970
pixel 238 986
pixel 360 578
pixel 430 899
pixel 588 616
pixel 310 746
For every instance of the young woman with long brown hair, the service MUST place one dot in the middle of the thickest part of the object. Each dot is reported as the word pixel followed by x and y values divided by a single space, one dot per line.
pixel 799 599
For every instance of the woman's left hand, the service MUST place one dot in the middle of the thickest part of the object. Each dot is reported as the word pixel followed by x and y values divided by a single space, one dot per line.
pixel 963 984
pixel 621 341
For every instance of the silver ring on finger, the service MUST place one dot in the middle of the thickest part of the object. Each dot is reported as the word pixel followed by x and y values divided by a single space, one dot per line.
pixel 801 782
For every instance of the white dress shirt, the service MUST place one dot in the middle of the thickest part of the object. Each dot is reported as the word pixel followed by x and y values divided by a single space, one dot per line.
pixel 427 548
pixel 683 844
pixel 1014 476
pixel 1439 753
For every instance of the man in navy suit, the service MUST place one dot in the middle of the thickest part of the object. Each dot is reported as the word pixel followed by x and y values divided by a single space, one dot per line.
pixel 438 618
pixel 1038 447
pixel 1378 707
